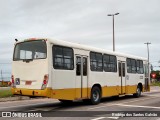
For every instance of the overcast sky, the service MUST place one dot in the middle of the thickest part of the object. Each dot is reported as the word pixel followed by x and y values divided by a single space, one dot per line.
pixel 83 21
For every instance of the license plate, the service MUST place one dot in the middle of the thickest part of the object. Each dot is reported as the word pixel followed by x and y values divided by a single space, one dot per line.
pixel 17 81
pixel 28 82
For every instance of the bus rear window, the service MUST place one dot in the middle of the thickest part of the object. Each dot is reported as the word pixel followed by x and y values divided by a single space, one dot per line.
pixel 30 50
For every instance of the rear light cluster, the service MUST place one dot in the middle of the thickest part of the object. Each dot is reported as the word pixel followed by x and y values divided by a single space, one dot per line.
pixel 12 81
pixel 45 81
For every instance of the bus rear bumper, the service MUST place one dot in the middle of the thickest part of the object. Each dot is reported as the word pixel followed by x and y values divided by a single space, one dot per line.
pixel 31 92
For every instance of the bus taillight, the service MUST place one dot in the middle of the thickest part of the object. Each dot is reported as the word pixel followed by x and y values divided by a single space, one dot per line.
pixel 12 81
pixel 45 81
pixel 12 77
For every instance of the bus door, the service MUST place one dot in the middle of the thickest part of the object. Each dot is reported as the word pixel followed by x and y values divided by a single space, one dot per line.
pixel 81 77
pixel 121 68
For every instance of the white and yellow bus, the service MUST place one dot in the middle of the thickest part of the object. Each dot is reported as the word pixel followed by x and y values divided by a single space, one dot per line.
pixel 68 71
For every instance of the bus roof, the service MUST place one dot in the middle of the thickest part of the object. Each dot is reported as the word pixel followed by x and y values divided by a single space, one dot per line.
pixel 85 47
pixel 94 49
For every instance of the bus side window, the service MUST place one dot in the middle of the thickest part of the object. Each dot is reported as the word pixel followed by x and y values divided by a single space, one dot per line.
pixel 123 65
pixel 96 61
pixel 63 58
pixel 78 66
pixel 129 65
pixel 141 67
pixel 119 67
pixel 85 66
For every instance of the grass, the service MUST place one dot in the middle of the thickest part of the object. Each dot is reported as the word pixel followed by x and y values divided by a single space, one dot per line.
pixel 5 93
pixel 156 83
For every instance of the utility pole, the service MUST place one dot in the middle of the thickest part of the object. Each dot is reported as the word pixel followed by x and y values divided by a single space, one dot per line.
pixel 147 43
pixel 147 49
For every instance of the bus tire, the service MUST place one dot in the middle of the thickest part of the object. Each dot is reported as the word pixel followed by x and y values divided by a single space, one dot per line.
pixel 65 101
pixel 95 95
pixel 138 92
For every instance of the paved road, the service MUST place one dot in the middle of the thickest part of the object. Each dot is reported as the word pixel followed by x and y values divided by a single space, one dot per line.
pixel 148 102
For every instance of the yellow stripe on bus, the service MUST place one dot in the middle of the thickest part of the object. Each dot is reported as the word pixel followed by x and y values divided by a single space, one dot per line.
pixel 76 93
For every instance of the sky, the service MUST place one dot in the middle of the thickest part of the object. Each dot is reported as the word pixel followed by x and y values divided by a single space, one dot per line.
pixel 83 21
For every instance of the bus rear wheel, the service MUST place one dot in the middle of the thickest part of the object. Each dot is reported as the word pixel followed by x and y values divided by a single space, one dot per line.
pixel 138 92
pixel 95 95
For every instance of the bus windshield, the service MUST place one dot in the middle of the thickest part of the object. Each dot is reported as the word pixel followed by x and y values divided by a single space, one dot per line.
pixel 30 50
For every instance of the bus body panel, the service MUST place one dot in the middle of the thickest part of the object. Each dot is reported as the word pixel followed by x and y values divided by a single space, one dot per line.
pixel 66 84
pixel 33 71
pixel 29 66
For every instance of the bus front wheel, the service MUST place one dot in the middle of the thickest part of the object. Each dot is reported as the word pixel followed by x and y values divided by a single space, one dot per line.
pixel 95 95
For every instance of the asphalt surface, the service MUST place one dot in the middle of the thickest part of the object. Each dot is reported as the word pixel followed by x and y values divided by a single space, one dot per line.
pixel 146 107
